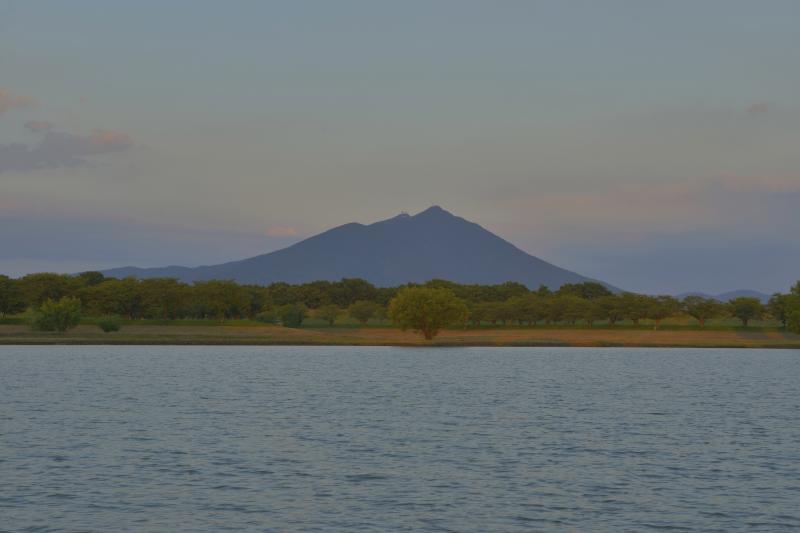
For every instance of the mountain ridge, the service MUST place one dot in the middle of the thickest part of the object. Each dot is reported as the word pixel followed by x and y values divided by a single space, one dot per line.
pixel 431 244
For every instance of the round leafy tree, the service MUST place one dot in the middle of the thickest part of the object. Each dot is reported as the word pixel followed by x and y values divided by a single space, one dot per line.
pixel 427 310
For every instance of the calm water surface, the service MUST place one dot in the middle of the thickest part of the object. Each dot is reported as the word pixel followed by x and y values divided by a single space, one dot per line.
pixel 368 439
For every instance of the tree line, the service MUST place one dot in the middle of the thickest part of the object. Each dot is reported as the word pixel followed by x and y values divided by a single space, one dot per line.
pixel 92 294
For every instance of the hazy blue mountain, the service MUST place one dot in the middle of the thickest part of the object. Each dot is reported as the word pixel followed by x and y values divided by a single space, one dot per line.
pixel 431 244
pixel 730 295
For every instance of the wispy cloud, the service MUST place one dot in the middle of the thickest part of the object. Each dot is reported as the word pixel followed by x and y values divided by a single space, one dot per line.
pixel 282 231
pixel 10 101
pixel 39 125
pixel 61 149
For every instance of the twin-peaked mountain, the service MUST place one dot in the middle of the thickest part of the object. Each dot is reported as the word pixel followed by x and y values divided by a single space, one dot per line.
pixel 432 244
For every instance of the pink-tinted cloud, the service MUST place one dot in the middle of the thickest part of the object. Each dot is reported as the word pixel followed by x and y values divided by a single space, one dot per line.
pixel 282 231
pixel 10 101
pixel 39 125
pixel 60 149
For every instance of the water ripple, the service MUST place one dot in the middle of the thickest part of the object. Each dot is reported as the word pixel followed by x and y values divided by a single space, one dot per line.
pixel 364 439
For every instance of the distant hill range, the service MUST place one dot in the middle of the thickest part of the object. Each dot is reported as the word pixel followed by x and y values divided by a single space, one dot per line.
pixel 429 245
pixel 730 295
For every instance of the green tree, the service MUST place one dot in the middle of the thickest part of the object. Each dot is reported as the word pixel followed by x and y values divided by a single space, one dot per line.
pixel 362 310
pixel 588 290
pixel 661 307
pixel 163 298
pixel 595 311
pixel 427 310
pixel 611 308
pixel 572 308
pixel 778 307
pixel 746 309
pixel 544 291
pixel 10 297
pixel 793 309
pixel 328 313
pixel 346 292
pixel 793 318
pixel 292 315
pixel 87 279
pixel 478 313
pixel 59 315
pixel 36 288
pixel 221 299
pixel 702 309
pixel 634 306
pixel 528 309
pixel 114 297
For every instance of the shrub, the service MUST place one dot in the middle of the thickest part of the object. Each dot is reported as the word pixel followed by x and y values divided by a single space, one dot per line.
pixel 58 315
pixel 292 315
pixel 329 313
pixel 363 310
pixel 109 323
pixel 267 316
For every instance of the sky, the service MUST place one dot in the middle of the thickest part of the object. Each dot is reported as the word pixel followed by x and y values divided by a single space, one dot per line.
pixel 652 145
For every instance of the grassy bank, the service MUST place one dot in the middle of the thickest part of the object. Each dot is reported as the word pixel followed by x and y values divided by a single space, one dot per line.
pixel 248 334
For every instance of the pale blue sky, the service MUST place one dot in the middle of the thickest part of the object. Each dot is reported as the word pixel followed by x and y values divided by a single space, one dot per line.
pixel 650 144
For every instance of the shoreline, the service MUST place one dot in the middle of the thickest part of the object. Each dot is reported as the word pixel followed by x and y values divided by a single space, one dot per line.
pixel 145 335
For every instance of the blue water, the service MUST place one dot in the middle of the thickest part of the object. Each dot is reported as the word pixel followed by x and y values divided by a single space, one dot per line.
pixel 369 439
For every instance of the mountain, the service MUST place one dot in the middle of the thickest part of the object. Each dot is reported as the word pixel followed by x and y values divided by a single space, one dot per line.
pixel 431 244
pixel 730 295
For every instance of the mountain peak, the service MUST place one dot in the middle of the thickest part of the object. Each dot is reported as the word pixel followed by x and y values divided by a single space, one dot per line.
pixel 433 210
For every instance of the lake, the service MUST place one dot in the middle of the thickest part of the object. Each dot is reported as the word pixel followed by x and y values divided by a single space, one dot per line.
pixel 163 438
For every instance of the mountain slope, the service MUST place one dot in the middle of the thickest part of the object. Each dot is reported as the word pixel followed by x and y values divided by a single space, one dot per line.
pixel 431 244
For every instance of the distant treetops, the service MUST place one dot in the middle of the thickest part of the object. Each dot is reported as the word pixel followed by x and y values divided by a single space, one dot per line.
pixel 57 302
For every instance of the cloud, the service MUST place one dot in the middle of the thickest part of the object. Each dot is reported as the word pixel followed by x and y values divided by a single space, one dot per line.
pixel 39 125
pixel 60 149
pixel 281 231
pixel 10 101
